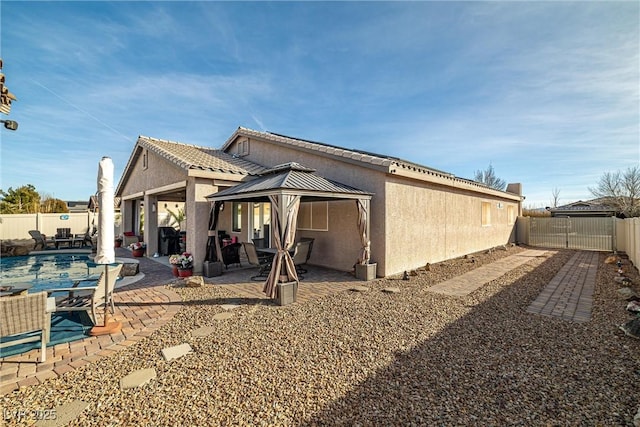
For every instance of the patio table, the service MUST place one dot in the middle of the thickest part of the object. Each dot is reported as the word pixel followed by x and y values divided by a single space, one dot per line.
pixel 17 289
pixel 68 241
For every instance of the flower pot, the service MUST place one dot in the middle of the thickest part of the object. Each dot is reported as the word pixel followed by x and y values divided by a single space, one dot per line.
pixel 366 271
pixel 118 243
pixel 175 271
pixel 212 268
pixel 185 272
pixel 138 252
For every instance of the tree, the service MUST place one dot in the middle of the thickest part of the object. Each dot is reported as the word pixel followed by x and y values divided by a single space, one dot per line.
pixel 177 216
pixel 51 205
pixel 555 196
pixel 621 190
pixel 24 199
pixel 489 178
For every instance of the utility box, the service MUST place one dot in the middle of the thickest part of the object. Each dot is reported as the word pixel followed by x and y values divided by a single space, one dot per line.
pixel 286 293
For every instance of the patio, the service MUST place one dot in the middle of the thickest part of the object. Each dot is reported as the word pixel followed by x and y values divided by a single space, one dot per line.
pixel 145 306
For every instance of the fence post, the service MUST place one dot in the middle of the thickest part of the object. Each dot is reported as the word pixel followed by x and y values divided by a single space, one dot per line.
pixel 614 240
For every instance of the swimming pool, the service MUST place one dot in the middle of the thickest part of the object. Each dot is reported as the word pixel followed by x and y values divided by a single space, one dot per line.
pixel 48 271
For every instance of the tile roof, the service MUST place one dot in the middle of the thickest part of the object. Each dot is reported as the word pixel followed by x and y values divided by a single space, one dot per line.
pixel 189 156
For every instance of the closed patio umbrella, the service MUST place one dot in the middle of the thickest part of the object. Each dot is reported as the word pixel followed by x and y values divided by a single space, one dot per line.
pixel 106 252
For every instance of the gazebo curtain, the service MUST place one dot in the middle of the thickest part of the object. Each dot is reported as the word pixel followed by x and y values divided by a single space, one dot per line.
pixel 214 253
pixel 363 227
pixel 283 207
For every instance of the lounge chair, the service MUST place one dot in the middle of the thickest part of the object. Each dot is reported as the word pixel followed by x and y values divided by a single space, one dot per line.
pixel 301 255
pixel 263 262
pixel 24 314
pixel 87 298
pixel 40 239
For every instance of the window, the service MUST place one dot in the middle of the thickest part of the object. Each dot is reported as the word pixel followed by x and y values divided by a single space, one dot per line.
pixel 313 216
pixel 511 214
pixel 237 217
pixel 486 214
pixel 145 159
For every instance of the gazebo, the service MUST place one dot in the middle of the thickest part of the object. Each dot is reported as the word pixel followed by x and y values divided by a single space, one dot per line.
pixel 285 186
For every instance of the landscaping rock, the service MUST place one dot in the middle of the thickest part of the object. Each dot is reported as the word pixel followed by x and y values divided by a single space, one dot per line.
pixel 194 282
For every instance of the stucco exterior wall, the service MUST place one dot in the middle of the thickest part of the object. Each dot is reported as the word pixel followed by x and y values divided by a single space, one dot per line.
pixel 412 222
pixel 159 172
pixel 429 223
pixel 338 247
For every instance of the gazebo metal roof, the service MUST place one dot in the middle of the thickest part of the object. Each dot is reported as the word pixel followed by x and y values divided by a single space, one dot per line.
pixel 291 178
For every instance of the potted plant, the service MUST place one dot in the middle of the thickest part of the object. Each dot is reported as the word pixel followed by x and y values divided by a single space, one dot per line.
pixel 174 260
pixel 185 264
pixel 118 241
pixel 138 248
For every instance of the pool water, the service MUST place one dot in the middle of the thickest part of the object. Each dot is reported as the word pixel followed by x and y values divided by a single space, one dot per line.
pixel 48 271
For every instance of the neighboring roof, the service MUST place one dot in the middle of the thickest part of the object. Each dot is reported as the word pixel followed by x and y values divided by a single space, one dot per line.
pixel 289 176
pixel 595 206
pixel 388 164
pixel 190 157
pixel 93 203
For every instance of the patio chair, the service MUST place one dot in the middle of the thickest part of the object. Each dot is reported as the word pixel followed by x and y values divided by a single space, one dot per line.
pixel 25 314
pixel 301 255
pixel 231 254
pixel 310 240
pixel 40 239
pixel 63 233
pixel 88 298
pixel 264 262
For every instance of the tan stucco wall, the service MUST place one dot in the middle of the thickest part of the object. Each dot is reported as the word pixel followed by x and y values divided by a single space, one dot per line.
pixel 158 174
pixel 429 223
pixel 412 222
pixel 337 248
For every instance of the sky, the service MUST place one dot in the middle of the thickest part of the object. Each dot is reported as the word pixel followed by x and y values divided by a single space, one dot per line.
pixel 547 93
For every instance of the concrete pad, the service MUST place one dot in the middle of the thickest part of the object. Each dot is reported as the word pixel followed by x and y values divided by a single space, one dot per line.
pixel 222 316
pixel 391 290
pixel 137 378
pixel 62 415
pixel 359 289
pixel 230 306
pixel 176 352
pixel 203 331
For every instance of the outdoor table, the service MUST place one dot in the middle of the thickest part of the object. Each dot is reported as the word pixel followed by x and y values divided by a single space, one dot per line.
pixel 69 241
pixel 17 289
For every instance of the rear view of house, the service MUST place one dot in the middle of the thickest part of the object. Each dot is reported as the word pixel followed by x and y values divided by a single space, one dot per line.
pixel 416 215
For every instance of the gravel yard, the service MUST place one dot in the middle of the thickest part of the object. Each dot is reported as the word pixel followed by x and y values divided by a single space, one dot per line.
pixel 374 358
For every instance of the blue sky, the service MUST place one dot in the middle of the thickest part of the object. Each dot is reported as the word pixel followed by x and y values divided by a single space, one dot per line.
pixel 545 92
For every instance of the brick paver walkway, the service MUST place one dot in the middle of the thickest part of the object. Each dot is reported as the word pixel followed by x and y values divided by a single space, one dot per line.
pixel 569 295
pixel 466 283
pixel 142 307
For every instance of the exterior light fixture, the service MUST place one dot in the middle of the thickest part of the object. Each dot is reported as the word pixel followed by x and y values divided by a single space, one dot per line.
pixel 10 124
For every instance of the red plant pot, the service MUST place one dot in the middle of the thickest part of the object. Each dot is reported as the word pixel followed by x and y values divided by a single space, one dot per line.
pixel 185 272
pixel 138 252
pixel 118 243
pixel 176 273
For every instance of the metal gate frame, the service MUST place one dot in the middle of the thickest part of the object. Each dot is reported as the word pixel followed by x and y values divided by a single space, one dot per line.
pixel 583 233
